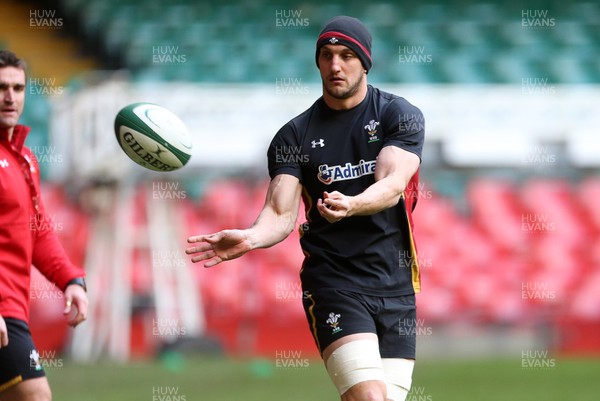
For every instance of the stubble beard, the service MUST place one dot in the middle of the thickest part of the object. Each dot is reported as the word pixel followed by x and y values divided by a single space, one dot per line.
pixel 348 93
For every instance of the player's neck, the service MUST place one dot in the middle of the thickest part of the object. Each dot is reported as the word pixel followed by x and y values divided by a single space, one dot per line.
pixel 348 103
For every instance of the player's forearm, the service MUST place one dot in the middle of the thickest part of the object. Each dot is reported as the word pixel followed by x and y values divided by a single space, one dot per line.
pixel 270 228
pixel 278 217
pixel 382 195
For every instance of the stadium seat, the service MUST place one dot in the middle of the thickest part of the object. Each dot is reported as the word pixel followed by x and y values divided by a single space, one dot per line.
pixel 222 204
pixel 497 213
pixel 550 202
pixel 587 196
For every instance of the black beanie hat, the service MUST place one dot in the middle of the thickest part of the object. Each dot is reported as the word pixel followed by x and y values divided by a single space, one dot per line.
pixel 349 32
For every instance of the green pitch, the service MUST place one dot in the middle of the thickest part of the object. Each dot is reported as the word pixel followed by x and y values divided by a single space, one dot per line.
pixel 218 379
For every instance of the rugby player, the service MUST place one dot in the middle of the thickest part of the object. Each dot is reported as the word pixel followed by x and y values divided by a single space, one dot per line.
pixel 360 151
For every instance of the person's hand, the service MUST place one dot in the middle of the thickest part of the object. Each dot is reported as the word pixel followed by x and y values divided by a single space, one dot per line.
pixel 218 247
pixel 75 296
pixel 3 333
pixel 334 206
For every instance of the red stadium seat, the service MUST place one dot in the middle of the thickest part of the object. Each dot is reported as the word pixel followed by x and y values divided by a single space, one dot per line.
pixel 224 203
pixel 437 304
pixel 497 213
pixel 588 196
pixel 551 211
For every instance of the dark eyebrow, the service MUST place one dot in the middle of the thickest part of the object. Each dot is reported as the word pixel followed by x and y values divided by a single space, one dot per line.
pixel 6 85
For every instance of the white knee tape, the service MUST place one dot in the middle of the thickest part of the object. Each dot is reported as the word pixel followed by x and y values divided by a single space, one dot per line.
pixel 353 363
pixel 398 377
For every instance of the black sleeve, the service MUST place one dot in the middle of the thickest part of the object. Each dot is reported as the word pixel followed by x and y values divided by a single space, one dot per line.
pixel 284 144
pixel 404 126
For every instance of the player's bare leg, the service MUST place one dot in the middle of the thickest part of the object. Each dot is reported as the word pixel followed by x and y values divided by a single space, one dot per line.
pixel 28 390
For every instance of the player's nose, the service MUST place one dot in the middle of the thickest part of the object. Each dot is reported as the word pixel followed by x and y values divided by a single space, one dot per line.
pixel 336 63
pixel 8 96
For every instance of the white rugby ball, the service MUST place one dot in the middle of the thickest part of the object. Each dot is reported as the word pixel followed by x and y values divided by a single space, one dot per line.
pixel 153 136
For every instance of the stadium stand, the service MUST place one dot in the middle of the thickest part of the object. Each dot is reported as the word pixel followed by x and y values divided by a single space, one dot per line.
pixel 517 266
pixel 491 42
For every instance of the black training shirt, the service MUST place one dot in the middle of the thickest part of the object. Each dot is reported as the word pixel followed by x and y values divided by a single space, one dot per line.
pixel 336 150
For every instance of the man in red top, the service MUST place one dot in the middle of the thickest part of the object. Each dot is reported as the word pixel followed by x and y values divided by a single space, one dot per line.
pixel 25 241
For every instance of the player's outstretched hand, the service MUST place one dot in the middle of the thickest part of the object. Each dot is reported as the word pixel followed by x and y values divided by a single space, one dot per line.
pixel 334 206
pixel 218 247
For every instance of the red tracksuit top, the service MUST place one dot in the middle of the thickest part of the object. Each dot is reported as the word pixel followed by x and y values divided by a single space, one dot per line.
pixel 23 239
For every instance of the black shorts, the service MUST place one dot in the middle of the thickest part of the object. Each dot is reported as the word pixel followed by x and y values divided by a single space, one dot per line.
pixel 19 360
pixel 333 314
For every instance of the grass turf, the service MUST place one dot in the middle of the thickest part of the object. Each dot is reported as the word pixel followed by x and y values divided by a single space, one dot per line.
pixel 217 379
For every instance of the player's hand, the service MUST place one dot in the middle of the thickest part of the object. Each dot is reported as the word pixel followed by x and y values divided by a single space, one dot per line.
pixel 3 333
pixel 218 247
pixel 75 296
pixel 334 206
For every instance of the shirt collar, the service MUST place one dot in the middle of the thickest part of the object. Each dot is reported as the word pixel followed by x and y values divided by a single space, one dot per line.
pixel 19 135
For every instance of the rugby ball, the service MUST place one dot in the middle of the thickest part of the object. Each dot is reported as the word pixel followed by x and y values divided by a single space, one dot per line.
pixel 153 136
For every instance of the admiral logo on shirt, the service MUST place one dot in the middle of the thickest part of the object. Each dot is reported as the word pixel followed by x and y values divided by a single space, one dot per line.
pixel 328 174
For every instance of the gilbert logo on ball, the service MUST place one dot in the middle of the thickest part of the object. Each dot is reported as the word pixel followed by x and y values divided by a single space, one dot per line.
pixel 153 136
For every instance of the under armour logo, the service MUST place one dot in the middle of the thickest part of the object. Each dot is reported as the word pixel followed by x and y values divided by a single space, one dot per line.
pixel 333 41
pixel 321 143
pixel 4 162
